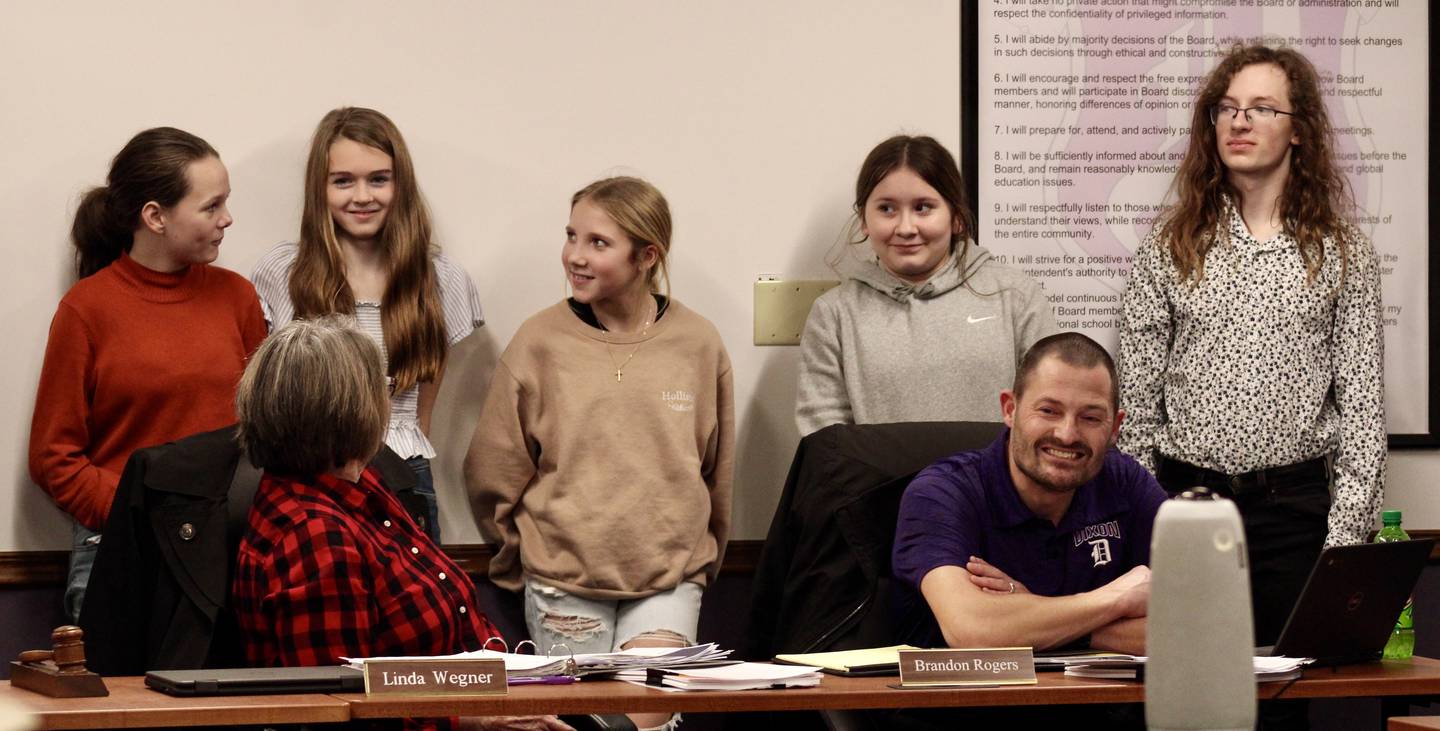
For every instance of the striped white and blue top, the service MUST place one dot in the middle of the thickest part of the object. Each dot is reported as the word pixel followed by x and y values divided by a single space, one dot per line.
pixel 459 302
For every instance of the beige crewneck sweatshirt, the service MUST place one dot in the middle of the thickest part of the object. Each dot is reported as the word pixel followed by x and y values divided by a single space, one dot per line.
pixel 606 488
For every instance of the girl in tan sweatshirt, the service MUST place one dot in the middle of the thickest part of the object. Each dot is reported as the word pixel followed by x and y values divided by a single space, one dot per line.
pixel 602 462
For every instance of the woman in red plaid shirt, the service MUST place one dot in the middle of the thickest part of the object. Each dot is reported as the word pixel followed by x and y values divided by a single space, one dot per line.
pixel 332 564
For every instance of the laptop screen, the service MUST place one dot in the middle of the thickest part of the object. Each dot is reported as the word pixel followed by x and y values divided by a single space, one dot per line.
pixel 1351 601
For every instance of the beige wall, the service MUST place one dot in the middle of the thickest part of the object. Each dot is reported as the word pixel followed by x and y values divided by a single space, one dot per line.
pixel 751 116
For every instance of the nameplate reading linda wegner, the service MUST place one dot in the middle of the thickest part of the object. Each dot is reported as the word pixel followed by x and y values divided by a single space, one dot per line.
pixel 991 666
pixel 435 677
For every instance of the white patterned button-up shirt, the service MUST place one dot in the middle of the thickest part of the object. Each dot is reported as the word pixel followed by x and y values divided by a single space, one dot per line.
pixel 1256 367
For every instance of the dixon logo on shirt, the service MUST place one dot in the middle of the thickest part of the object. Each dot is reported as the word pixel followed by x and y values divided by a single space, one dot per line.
pixel 1100 551
pixel 679 400
pixel 1098 537
pixel 1108 529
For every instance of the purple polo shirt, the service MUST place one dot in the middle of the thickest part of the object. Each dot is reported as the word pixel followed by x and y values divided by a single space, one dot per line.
pixel 967 505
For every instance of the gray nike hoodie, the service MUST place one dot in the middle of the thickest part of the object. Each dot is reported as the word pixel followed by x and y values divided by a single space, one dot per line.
pixel 880 349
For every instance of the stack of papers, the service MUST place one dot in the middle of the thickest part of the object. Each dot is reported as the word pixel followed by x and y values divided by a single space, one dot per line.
pixel 1267 669
pixel 1062 660
pixel 1055 662
pixel 531 668
pixel 641 658
pixel 518 668
pixel 870 661
pixel 739 676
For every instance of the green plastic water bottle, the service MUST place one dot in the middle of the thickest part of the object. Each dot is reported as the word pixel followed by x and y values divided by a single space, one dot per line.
pixel 1402 639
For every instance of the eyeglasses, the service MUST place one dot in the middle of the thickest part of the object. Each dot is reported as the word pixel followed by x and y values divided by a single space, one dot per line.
pixel 1230 111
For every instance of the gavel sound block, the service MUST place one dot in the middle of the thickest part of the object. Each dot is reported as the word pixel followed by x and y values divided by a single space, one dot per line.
pixel 60 672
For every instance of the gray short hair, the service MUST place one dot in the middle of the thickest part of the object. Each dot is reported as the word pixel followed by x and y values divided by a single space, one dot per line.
pixel 313 398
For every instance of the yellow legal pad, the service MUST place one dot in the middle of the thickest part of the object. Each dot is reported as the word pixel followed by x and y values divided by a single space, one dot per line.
pixel 868 661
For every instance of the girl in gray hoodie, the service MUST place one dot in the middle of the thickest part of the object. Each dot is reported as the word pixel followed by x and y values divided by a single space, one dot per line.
pixel 931 327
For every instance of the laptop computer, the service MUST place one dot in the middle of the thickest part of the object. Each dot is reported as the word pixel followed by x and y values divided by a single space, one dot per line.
pixel 1349 604
pixel 256 681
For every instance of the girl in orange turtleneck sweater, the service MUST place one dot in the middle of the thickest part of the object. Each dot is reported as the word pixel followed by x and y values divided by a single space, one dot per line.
pixel 148 346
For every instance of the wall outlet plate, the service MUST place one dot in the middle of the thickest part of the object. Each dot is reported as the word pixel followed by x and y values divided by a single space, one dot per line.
pixel 781 307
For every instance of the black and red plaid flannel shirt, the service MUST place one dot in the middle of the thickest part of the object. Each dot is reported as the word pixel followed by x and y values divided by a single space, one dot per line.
pixel 330 568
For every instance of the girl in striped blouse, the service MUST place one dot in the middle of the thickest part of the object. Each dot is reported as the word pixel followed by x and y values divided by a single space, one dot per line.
pixel 365 249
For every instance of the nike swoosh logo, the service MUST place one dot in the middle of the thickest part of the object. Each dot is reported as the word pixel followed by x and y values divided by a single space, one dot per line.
pixel 973 319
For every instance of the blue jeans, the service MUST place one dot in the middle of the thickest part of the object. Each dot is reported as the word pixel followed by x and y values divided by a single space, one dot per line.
pixel 425 487
pixel 84 544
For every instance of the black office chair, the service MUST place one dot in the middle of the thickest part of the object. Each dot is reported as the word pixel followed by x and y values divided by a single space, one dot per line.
pixel 159 594
pixel 823 581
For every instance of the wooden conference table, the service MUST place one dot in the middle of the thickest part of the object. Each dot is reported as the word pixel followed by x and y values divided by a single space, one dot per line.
pixel 131 705
pixel 1419 723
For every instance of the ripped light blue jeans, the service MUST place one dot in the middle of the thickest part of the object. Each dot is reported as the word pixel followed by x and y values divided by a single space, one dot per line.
pixel 556 617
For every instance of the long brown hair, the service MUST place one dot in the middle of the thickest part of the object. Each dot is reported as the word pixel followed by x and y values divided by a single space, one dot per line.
pixel 411 318
pixel 1316 200
pixel 152 166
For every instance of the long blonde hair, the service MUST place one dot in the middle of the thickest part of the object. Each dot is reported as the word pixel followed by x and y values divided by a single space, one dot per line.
pixel 640 210
pixel 411 317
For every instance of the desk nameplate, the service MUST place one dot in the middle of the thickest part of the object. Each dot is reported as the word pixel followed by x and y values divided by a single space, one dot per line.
pixel 435 677
pixel 973 666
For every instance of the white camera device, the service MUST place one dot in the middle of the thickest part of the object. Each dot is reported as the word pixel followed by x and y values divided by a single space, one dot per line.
pixel 1199 632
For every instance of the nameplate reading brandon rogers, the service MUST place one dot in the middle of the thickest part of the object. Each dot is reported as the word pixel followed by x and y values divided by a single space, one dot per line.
pixel 987 666
pixel 435 677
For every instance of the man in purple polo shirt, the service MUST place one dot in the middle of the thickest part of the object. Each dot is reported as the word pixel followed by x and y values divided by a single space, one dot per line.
pixel 1042 538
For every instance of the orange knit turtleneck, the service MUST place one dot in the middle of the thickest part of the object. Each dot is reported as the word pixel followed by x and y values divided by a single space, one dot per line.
pixel 135 358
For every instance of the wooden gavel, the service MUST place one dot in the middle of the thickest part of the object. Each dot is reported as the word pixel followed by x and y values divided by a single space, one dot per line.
pixel 68 654
pixel 60 671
